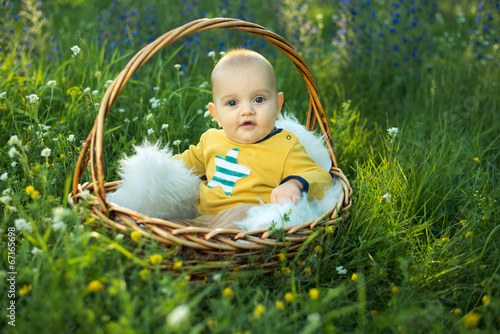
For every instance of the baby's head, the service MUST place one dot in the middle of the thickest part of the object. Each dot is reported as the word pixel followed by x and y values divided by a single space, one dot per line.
pixel 246 101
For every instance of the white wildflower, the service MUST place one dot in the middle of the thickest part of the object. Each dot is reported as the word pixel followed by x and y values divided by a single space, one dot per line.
pixel 6 192
pixel 314 318
pixel 52 83
pixel 36 251
pixel 387 197
pixel 98 74
pixel 5 199
pixel 12 208
pixel 32 99
pixel 148 117
pixel 14 140
pixel 108 83
pixel 177 66
pixel 119 236
pixel 76 50
pixel 164 126
pixel 59 226
pixel 156 88
pixel 121 110
pixel 4 176
pixel 14 163
pixel 3 95
pixel 207 114
pixel 97 104
pixel 177 142
pixel 23 226
pixel 179 315
pixel 150 131
pixel 46 152
pixel 55 139
pixel 222 53
pixel 13 152
pixel 392 132
pixel 341 270
pixel 71 138
pixel 95 92
pixel 211 54
pixel 135 118
pixel 87 90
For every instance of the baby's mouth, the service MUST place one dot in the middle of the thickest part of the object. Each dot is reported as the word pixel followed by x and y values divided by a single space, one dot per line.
pixel 247 124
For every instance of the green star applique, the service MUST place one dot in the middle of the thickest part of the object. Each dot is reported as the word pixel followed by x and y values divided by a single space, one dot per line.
pixel 228 171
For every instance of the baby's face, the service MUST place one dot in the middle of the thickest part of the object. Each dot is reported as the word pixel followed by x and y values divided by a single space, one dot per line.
pixel 246 103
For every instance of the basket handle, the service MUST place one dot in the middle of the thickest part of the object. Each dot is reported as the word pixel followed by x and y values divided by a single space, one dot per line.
pixel 94 141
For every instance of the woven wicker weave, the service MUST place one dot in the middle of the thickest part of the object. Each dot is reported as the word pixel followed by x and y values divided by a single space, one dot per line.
pixel 211 249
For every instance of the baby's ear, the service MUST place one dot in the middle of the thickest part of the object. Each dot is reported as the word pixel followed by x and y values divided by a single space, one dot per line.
pixel 213 110
pixel 280 99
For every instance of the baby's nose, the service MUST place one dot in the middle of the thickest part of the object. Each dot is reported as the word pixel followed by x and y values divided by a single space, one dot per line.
pixel 247 109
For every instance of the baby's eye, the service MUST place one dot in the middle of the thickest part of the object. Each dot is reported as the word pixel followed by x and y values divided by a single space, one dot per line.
pixel 259 99
pixel 232 103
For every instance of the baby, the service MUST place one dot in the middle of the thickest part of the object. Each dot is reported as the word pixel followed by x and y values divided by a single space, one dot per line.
pixel 249 161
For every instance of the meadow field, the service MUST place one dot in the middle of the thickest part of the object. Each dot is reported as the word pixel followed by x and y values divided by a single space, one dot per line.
pixel 412 92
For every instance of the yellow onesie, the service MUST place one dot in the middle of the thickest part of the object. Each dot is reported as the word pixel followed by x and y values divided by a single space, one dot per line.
pixel 247 173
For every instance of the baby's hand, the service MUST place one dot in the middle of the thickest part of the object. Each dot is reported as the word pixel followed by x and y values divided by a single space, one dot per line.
pixel 288 191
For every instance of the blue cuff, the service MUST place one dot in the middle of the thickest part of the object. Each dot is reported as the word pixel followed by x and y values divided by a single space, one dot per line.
pixel 305 184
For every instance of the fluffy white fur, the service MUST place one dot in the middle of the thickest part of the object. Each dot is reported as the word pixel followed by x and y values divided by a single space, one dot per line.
pixel 263 216
pixel 160 187
pixel 156 185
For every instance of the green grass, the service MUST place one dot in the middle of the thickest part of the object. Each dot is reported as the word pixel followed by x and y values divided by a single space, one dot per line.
pixel 421 244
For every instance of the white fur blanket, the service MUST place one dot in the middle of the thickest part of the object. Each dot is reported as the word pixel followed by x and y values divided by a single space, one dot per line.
pixel 147 178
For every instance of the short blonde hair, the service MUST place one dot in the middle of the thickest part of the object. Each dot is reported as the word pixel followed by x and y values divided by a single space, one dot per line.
pixel 242 56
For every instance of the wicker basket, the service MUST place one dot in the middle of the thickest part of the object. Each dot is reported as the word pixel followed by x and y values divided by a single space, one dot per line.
pixel 207 250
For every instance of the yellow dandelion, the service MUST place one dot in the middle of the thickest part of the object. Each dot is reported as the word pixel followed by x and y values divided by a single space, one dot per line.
pixel 286 271
pixel 457 311
pixel 476 159
pixel 471 319
pixel 25 289
pixel 383 273
pixel 445 239
pixel 259 309
pixel 90 220
pixel 414 279
pixel 289 297
pixel 29 190
pixel 354 277
pixel 177 265
pixel 228 292
pixel 280 305
pixel 95 286
pixel 482 266
pixel 463 222
pixel 307 271
pixel 281 257
pixel 144 273
pixel 329 229
pixel 394 289
pixel 155 258
pixel 318 249
pixel 35 194
pixel 469 234
pixel 136 236
pixel 486 300
pixel 314 294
